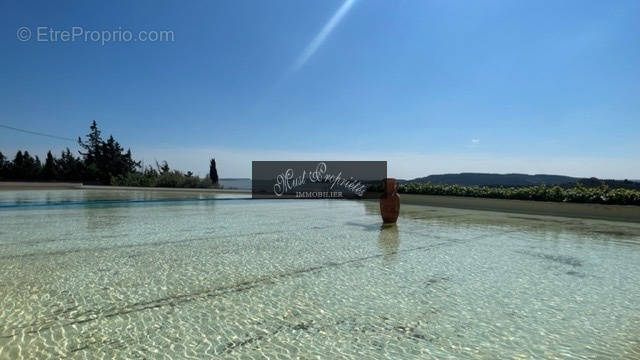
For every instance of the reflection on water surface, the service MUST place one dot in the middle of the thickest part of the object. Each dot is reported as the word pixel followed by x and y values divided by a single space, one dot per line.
pixel 103 274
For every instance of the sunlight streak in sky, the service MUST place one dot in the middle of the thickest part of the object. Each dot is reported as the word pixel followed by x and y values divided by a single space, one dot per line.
pixel 322 35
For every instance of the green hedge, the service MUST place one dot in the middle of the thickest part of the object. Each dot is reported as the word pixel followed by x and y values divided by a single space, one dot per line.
pixel 576 194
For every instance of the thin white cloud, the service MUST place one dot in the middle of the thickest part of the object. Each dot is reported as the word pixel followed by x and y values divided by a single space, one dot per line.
pixel 320 38
pixel 473 144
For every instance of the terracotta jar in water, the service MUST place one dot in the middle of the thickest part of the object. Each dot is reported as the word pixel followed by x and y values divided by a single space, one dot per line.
pixel 389 202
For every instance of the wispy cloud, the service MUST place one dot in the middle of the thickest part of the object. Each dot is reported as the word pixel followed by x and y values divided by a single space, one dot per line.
pixel 473 144
pixel 320 38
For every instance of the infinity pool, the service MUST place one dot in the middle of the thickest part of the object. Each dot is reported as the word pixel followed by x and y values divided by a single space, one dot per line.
pixel 142 274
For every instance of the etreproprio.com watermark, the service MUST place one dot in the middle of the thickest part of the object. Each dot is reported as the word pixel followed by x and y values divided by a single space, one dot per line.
pixel 80 34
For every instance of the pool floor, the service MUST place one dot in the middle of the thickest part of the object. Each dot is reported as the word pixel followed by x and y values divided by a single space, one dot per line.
pixel 134 274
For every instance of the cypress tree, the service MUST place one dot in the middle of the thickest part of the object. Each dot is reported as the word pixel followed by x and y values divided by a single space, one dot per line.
pixel 213 172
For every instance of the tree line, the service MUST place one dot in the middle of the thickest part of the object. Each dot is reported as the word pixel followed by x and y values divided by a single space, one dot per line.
pixel 100 161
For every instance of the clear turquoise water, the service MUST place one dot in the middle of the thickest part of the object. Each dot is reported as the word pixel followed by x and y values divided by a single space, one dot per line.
pixel 134 274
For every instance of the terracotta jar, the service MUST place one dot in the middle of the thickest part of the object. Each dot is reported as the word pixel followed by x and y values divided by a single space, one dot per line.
pixel 389 202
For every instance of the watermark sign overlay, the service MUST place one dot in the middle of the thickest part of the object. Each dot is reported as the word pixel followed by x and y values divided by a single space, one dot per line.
pixel 47 34
pixel 316 179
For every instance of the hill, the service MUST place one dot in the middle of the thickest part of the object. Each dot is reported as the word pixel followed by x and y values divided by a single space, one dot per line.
pixel 469 179
pixel 484 179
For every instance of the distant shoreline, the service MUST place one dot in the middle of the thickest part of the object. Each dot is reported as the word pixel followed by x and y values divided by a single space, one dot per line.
pixel 625 213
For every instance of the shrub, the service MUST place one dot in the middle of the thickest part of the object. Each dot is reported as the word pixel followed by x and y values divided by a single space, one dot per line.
pixel 172 179
pixel 578 193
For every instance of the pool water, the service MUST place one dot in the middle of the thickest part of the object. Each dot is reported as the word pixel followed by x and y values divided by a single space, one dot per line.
pixel 172 275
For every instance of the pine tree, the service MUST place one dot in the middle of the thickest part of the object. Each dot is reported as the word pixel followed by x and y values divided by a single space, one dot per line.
pixel 4 167
pixel 69 167
pixel 91 155
pixel 50 168
pixel 104 160
pixel 25 167
pixel 93 145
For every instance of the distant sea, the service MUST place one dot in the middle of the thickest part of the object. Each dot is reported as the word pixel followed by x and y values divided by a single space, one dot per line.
pixel 243 183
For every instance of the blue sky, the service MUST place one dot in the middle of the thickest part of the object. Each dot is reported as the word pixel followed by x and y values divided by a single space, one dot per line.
pixel 430 86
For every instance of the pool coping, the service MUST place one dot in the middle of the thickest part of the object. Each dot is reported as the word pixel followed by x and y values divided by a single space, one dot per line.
pixel 626 213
